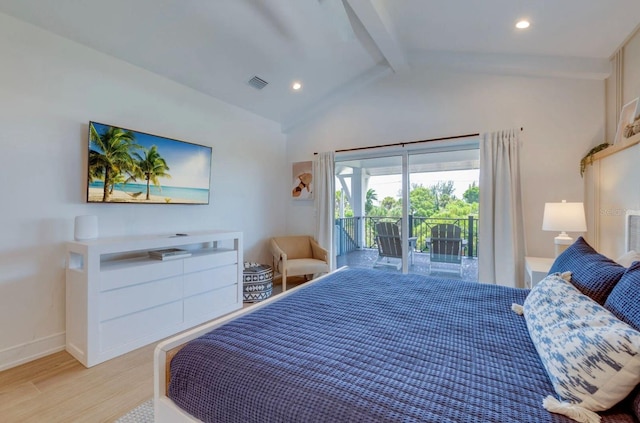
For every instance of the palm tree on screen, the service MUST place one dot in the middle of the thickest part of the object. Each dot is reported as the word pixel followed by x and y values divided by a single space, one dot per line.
pixel 117 179
pixel 110 156
pixel 151 166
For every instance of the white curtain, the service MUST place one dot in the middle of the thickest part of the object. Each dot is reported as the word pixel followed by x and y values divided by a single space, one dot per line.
pixel 323 171
pixel 501 244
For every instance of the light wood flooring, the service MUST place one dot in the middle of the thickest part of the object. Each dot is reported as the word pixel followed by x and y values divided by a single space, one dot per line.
pixel 57 388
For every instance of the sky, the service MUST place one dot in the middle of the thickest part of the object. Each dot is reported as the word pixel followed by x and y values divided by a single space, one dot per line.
pixel 189 164
pixel 389 185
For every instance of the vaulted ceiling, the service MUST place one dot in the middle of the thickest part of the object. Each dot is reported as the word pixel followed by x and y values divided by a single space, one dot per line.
pixel 334 47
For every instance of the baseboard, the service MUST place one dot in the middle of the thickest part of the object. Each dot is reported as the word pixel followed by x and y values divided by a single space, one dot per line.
pixel 29 351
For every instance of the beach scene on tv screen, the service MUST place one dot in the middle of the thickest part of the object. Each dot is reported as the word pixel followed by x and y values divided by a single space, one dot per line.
pixel 127 166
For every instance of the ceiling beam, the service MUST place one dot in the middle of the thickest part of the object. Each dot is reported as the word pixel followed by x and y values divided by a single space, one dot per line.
pixel 376 21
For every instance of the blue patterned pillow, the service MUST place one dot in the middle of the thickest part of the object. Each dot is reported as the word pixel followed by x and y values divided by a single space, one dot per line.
pixel 624 300
pixel 591 357
pixel 624 303
pixel 592 273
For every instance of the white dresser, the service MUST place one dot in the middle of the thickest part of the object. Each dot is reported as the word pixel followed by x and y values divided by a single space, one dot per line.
pixel 119 299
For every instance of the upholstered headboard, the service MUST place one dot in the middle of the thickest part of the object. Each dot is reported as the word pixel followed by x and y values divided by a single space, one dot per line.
pixel 632 230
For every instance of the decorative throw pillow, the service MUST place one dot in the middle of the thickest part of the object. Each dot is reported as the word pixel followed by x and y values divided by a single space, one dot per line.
pixel 624 300
pixel 628 258
pixel 592 273
pixel 591 357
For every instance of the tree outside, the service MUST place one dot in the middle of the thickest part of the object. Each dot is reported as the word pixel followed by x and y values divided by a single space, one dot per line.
pixel 436 202
pixel 472 195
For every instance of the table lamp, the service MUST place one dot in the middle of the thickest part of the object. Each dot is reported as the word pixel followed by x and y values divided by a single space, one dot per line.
pixel 564 217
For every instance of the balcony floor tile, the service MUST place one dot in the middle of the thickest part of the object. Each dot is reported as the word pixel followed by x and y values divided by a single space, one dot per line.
pixel 367 257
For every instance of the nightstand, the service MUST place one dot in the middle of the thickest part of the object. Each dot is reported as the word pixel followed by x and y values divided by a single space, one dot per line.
pixel 536 269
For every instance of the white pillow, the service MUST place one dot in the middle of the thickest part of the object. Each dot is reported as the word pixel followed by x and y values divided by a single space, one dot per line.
pixel 628 258
pixel 591 357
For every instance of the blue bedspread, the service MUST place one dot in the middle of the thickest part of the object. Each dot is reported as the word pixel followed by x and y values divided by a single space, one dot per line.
pixel 370 346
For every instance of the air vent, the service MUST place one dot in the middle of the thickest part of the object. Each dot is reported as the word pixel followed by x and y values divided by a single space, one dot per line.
pixel 258 83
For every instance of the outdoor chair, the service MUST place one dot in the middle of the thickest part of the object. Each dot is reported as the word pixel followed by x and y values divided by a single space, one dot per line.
pixel 298 256
pixel 390 245
pixel 445 246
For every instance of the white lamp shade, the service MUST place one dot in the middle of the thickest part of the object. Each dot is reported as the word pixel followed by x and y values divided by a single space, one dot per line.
pixel 86 227
pixel 564 217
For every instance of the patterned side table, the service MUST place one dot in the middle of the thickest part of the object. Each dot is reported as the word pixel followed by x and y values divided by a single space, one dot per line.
pixel 257 282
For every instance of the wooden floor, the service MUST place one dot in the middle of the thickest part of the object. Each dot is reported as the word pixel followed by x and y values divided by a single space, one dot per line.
pixel 57 388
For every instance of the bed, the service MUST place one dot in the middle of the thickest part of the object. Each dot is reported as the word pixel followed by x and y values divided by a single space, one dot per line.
pixel 361 345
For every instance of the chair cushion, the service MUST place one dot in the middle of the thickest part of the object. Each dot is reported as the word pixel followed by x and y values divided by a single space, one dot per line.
pixel 592 273
pixel 295 247
pixel 306 266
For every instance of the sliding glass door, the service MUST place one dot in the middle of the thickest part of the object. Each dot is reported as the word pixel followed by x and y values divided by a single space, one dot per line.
pixel 388 206
pixel 369 192
pixel 443 212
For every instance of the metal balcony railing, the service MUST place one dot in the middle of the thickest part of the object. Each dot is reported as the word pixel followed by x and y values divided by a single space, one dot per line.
pixel 348 230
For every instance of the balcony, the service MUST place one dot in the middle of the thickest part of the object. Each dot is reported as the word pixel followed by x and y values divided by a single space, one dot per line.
pixel 355 240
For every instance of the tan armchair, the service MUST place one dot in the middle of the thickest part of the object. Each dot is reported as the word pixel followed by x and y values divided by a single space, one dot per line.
pixel 297 256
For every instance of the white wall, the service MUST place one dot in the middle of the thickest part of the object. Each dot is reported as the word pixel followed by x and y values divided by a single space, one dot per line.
pixel 50 88
pixel 612 182
pixel 562 120
pixel 616 182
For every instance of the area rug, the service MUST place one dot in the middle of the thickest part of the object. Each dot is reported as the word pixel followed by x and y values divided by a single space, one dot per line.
pixel 141 414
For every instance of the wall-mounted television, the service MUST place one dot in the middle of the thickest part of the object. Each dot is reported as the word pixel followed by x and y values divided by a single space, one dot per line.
pixel 127 166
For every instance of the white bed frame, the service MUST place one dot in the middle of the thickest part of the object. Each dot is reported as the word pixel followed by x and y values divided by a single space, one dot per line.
pixel 165 410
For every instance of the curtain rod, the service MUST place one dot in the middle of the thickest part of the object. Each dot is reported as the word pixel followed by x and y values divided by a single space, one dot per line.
pixel 402 144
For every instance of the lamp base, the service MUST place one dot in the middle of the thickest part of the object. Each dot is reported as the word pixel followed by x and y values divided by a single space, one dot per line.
pixel 562 241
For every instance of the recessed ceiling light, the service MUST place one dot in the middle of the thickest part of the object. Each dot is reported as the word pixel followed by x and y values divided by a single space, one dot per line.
pixel 523 24
pixel 296 86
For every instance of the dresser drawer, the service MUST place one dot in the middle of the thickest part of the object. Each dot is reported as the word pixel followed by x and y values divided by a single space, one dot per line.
pixel 117 332
pixel 131 275
pixel 198 307
pixel 210 261
pixel 207 280
pixel 123 301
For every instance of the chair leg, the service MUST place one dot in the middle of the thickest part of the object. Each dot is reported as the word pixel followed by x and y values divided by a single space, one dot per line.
pixel 284 281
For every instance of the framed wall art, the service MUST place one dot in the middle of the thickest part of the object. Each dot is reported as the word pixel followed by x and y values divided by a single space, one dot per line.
pixel 302 188
pixel 127 166
pixel 627 115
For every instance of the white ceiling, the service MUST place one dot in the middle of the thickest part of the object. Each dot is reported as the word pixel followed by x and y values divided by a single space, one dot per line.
pixel 335 47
